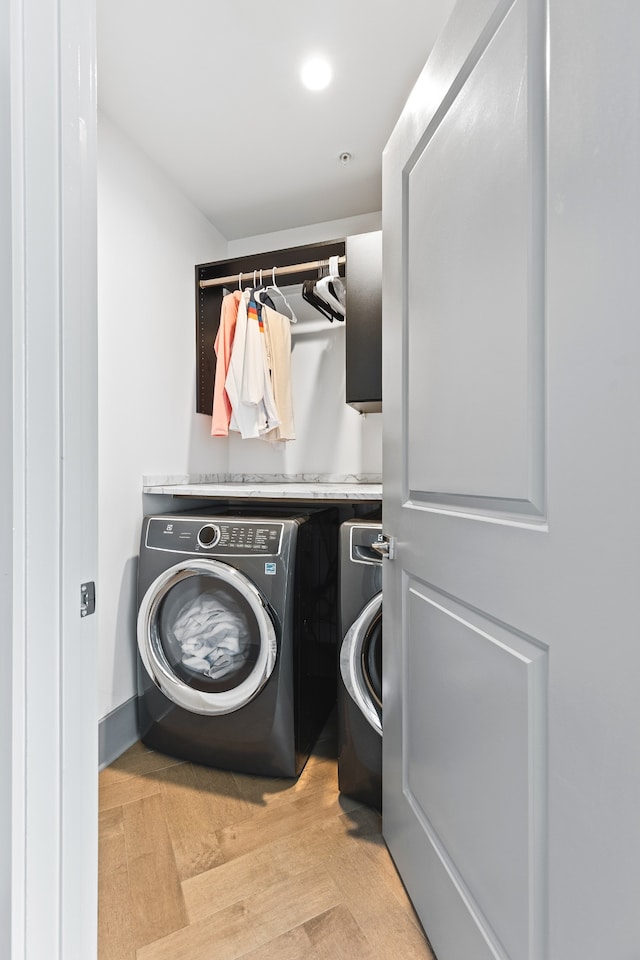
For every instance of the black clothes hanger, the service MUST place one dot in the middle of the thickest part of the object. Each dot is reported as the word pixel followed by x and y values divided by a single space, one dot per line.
pixel 330 289
pixel 325 289
pixel 309 294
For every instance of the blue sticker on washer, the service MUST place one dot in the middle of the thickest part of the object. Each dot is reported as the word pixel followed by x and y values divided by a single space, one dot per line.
pixel 270 569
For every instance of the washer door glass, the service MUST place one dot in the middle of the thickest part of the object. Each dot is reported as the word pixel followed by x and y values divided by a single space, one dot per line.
pixel 206 637
pixel 361 662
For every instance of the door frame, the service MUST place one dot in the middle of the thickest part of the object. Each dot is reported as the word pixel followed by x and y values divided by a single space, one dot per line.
pixel 48 484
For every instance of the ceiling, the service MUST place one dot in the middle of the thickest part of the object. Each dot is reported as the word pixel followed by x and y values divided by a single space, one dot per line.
pixel 210 90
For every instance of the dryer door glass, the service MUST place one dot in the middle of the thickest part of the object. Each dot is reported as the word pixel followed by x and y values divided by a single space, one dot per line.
pixel 371 661
pixel 361 662
pixel 206 636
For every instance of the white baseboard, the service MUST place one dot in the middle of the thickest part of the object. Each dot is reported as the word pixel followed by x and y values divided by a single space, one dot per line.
pixel 117 731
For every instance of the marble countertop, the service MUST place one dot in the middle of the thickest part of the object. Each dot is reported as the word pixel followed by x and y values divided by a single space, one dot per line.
pixel 274 491
pixel 268 489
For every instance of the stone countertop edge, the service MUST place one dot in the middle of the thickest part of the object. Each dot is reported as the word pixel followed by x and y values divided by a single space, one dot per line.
pixel 273 489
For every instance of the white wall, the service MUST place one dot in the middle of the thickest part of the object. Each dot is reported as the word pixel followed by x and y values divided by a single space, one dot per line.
pixel 332 438
pixel 149 239
pixel 313 233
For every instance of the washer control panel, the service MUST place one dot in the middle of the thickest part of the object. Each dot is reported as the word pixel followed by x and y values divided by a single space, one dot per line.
pixel 219 537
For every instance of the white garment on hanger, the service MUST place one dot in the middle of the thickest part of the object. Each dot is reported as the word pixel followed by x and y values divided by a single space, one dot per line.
pixel 248 383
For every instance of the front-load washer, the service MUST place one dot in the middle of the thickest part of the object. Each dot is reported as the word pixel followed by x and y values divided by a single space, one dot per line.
pixel 360 673
pixel 237 636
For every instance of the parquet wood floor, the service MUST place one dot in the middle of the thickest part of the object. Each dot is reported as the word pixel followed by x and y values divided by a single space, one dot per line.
pixel 202 864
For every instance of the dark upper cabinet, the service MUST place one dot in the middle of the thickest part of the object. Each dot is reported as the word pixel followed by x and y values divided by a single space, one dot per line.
pixel 363 326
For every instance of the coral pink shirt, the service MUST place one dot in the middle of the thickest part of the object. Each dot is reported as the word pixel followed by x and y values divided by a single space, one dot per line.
pixel 222 346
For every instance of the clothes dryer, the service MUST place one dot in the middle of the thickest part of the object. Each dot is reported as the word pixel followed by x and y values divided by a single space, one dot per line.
pixel 237 636
pixel 360 673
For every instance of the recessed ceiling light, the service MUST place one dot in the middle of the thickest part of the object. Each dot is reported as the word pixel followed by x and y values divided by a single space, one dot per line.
pixel 316 74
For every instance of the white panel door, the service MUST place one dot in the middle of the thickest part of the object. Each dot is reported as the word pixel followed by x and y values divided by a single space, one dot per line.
pixel 511 225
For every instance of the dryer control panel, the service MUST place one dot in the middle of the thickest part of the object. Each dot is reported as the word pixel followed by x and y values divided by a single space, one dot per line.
pixel 214 536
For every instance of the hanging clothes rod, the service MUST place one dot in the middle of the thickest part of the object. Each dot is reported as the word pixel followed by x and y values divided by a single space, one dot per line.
pixel 266 274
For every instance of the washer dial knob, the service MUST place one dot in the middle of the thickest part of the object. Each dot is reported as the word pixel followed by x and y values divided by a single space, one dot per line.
pixel 208 535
